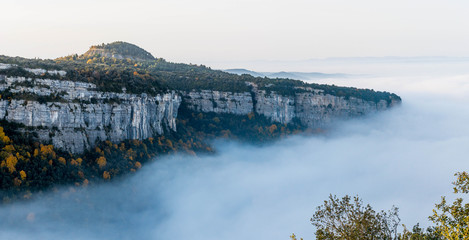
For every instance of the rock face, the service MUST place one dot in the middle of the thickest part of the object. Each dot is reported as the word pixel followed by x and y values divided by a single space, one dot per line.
pixel 312 108
pixel 76 125
pixel 75 116
pixel 219 102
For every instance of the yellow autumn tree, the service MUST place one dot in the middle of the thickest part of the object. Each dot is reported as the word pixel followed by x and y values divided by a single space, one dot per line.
pixel 9 148
pixel 5 139
pixel 23 175
pixel 101 161
pixel 36 152
pixel 73 162
pixel 47 150
pixel 62 160
pixel 138 165
pixel 106 175
pixel 11 162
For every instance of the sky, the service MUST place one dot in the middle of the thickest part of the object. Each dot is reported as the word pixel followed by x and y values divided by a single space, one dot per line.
pixel 211 31
pixel 404 157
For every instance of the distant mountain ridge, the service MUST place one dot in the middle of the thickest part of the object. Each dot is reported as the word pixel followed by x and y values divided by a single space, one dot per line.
pixel 289 75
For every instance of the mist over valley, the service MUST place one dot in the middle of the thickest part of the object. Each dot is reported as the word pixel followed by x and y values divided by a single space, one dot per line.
pixel 405 156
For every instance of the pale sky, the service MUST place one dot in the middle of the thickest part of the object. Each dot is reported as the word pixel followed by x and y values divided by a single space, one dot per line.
pixel 226 30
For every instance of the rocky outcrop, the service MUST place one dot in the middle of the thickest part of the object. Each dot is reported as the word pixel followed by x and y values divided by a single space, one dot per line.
pixel 319 110
pixel 84 116
pixel 119 50
pixel 103 53
pixel 219 102
pixel 312 108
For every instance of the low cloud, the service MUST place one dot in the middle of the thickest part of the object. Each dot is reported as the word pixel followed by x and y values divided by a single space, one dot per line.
pixel 405 157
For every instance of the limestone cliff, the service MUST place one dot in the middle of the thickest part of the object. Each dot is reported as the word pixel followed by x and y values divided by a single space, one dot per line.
pixel 312 108
pixel 74 115
pixel 80 116
pixel 83 116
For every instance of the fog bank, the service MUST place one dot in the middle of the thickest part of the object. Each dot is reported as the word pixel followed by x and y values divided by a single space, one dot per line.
pixel 405 157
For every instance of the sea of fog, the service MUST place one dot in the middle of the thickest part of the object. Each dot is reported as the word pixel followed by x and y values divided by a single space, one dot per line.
pixel 404 157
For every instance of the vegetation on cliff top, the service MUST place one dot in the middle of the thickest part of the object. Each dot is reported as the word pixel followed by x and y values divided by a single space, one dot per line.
pixel 142 73
pixel 120 50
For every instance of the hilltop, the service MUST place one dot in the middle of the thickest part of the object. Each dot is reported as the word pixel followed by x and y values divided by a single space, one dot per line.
pixel 118 50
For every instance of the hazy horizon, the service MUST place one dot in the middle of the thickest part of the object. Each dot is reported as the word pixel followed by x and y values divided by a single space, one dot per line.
pixel 209 30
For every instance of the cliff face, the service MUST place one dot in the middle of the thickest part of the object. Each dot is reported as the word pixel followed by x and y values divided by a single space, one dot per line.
pixel 103 53
pixel 219 102
pixel 312 108
pixel 74 116
pixel 83 116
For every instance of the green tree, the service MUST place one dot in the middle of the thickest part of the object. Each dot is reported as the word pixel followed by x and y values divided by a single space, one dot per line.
pixel 293 237
pixel 348 218
pixel 417 233
pixel 452 221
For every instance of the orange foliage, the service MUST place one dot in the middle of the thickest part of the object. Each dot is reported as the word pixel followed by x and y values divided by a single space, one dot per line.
pixel 36 152
pixel 6 139
pixel 23 175
pixel 101 161
pixel 11 162
pixel 62 160
pixel 106 175
pixel 138 165
pixel 9 148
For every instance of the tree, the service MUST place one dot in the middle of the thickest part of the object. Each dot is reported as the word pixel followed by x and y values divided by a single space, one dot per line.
pixel 417 233
pixel 293 237
pixel 11 162
pixel 106 175
pixel 349 218
pixel 452 221
pixel 101 161
pixel 62 160
pixel 23 175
